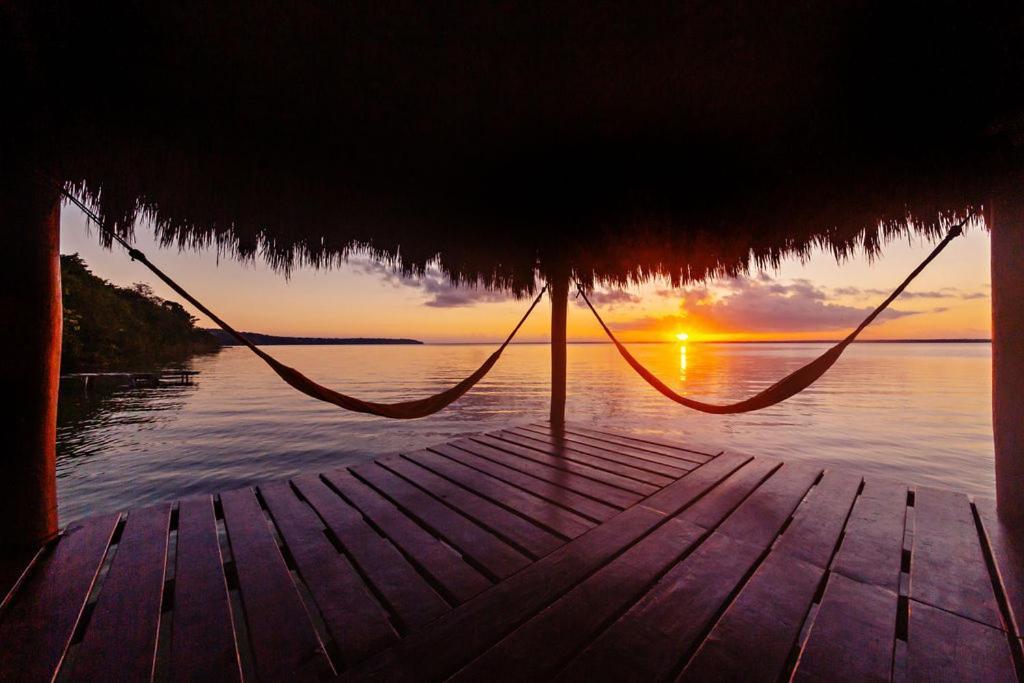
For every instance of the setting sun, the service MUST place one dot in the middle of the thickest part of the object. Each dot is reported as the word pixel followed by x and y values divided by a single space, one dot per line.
pixel 682 336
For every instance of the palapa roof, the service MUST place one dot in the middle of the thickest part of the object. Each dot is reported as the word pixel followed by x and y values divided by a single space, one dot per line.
pixel 677 138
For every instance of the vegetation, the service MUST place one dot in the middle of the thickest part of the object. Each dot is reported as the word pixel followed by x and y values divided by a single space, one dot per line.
pixel 122 328
pixel 273 340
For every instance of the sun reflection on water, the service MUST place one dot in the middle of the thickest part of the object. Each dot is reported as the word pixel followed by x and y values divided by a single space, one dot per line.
pixel 682 363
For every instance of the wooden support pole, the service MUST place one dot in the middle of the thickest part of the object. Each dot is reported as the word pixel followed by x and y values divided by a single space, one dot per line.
pixel 1007 226
pixel 30 307
pixel 559 288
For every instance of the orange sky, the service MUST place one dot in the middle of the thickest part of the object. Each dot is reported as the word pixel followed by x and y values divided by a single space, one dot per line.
pixel 819 299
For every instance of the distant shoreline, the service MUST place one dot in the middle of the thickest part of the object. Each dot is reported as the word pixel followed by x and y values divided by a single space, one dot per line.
pixel 750 341
pixel 226 339
pixel 275 340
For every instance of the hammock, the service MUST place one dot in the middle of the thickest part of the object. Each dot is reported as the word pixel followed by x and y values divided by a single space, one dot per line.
pixel 403 410
pixel 793 383
pixel 406 410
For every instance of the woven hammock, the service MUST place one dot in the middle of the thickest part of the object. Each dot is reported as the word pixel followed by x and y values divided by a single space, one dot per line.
pixel 785 388
pixel 791 384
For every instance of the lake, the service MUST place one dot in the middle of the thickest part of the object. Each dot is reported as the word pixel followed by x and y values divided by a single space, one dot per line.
pixel 915 412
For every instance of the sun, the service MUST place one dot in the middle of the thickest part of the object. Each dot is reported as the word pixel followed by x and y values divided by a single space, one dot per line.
pixel 682 336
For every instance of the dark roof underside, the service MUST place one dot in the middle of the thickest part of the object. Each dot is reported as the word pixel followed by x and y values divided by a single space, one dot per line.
pixel 679 139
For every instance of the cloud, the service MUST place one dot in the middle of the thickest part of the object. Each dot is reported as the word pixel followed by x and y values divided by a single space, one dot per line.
pixel 609 298
pixel 756 305
pixel 445 295
pixel 440 293
pixel 944 293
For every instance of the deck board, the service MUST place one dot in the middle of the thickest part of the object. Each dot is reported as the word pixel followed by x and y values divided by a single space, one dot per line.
pixel 537 649
pixel 948 569
pixel 652 637
pixel 947 647
pixel 42 617
pixel 448 570
pixel 203 645
pixel 567 462
pixel 599 458
pixel 355 621
pixel 555 471
pixel 675 451
pixel 655 462
pixel 284 642
pixel 456 638
pixel 1007 547
pixel 753 639
pixel 474 541
pixel 554 518
pixel 121 639
pixel 853 634
pixel 562 496
pixel 872 550
pixel 527 537
pixel 526 554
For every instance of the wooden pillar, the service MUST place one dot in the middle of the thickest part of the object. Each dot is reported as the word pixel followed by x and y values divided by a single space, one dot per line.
pixel 559 288
pixel 1007 227
pixel 30 307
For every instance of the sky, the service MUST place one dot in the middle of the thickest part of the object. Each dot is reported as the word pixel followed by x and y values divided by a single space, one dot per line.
pixel 818 298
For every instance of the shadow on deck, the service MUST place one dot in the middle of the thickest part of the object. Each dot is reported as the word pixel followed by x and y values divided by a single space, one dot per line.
pixel 517 555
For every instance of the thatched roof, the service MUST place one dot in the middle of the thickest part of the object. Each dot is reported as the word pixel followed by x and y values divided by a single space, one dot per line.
pixel 504 137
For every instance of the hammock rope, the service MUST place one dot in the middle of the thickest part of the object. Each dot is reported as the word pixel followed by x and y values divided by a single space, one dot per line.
pixel 403 410
pixel 785 388
pixel 791 384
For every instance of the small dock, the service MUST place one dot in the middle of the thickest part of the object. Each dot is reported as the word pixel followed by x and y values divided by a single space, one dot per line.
pixel 530 555
pixel 87 381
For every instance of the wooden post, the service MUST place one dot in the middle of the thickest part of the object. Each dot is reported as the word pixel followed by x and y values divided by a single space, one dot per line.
pixel 30 307
pixel 1007 227
pixel 559 288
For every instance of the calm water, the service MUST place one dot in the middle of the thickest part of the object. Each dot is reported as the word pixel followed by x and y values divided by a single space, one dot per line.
pixel 917 412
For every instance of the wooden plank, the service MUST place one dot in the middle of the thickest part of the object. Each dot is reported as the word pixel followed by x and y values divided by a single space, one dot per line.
pixel 554 470
pixel 584 506
pixel 626 477
pixel 485 549
pixel 947 567
pixel 1007 547
pixel 538 648
pixel 853 634
pixel 946 647
pixel 284 642
pixel 554 518
pixel 13 570
pixel 462 634
pixel 595 457
pixel 120 640
pixel 449 572
pixel 754 637
pixel 355 621
pixel 654 636
pixel 872 549
pixel 662 464
pixel 813 535
pixel 41 617
pixel 535 451
pixel 401 587
pixel 202 644
pixel 521 533
pixel 708 511
pixel 684 452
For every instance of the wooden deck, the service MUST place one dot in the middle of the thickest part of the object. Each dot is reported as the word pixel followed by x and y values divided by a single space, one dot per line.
pixel 516 556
